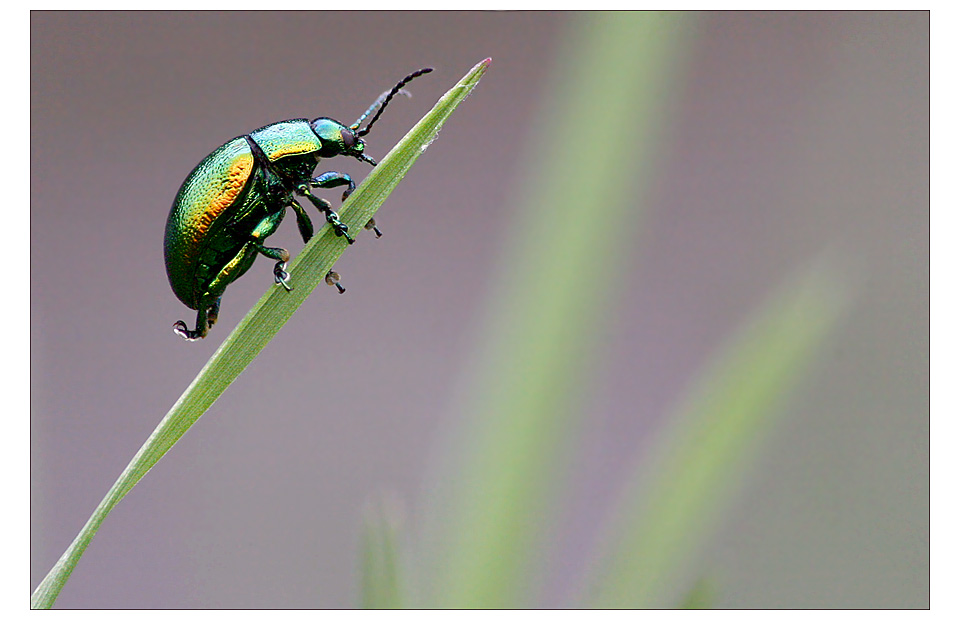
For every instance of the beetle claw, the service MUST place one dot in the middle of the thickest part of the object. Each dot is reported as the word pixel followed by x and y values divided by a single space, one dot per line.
pixel 339 228
pixel 372 225
pixel 333 279
pixel 280 276
pixel 180 328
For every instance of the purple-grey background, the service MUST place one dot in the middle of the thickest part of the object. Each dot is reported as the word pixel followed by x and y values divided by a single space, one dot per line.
pixel 796 132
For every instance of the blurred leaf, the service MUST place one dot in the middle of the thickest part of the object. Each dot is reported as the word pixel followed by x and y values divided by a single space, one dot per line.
pixel 675 500
pixel 380 568
pixel 593 151
pixel 701 596
pixel 260 325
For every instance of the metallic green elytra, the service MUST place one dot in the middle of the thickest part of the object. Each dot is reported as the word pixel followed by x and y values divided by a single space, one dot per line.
pixel 237 196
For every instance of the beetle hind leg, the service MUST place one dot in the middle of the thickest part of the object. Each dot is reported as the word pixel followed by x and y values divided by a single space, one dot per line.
pixel 180 328
pixel 206 317
pixel 213 312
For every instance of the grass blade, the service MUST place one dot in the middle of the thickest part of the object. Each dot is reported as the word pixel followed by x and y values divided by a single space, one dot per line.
pixel 593 151
pixel 381 583
pixel 266 318
pixel 675 500
pixel 702 595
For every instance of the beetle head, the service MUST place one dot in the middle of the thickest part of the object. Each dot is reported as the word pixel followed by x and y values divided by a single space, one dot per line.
pixel 338 139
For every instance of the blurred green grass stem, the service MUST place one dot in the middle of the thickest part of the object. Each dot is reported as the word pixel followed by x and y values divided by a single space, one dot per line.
pixel 589 164
pixel 676 497
pixel 381 564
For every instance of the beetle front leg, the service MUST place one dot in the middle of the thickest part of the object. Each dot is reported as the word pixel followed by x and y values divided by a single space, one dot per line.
pixel 329 180
pixel 323 206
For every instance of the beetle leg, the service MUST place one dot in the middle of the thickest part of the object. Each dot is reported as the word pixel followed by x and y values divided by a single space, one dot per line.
pixel 332 179
pixel 212 313
pixel 209 311
pixel 338 227
pixel 281 256
pixel 241 262
pixel 372 225
pixel 281 277
pixel 206 317
pixel 324 206
pixel 180 328
pixel 263 230
pixel 329 180
pixel 303 221
pixel 333 279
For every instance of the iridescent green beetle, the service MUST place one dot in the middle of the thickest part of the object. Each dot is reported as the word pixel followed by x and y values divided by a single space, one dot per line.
pixel 237 196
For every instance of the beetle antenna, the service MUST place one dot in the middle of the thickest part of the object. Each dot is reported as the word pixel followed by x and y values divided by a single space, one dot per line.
pixel 376 104
pixel 384 99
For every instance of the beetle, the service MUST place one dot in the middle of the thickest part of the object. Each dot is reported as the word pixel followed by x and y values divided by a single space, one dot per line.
pixel 237 196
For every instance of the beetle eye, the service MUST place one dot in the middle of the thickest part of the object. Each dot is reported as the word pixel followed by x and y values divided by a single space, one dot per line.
pixel 349 138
